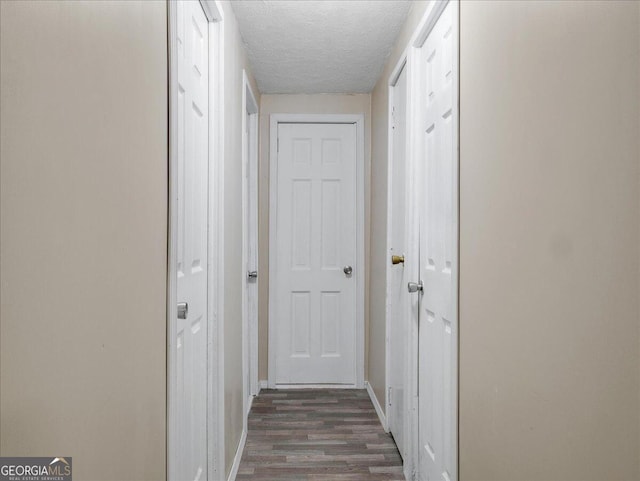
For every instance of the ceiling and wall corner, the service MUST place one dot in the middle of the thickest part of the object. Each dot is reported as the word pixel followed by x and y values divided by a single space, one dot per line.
pixel 329 47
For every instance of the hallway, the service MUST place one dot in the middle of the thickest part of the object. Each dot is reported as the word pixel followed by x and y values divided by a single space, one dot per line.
pixel 416 221
pixel 317 434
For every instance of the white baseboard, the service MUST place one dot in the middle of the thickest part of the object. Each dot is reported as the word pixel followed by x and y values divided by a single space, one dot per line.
pixel 236 460
pixel 249 405
pixel 376 404
pixel 407 472
pixel 264 384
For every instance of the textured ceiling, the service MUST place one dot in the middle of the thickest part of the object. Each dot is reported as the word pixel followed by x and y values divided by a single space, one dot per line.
pixel 319 46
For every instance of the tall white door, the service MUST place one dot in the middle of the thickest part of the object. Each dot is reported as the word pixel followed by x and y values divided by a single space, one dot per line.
pixel 193 146
pixel 438 326
pixel 316 253
pixel 251 253
pixel 398 296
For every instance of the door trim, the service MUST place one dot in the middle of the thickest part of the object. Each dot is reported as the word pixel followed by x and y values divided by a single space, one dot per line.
pixel 249 332
pixel 215 244
pixel 358 120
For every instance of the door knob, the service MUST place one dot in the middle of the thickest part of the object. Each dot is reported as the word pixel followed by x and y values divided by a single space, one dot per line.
pixel 183 310
pixel 397 260
pixel 348 270
pixel 252 275
pixel 415 286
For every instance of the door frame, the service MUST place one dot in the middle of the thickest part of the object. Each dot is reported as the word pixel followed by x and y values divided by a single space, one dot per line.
pixel 250 109
pixel 358 121
pixel 215 244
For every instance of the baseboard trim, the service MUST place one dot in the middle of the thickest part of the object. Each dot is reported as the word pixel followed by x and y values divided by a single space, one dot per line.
pixel 264 384
pixel 376 405
pixel 406 469
pixel 249 406
pixel 236 460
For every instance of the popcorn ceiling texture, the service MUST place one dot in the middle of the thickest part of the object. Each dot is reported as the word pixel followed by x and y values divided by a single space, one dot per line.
pixel 323 46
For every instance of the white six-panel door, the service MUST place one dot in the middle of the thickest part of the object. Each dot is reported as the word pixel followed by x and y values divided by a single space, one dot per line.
pixel 191 334
pixel 438 327
pixel 398 295
pixel 315 322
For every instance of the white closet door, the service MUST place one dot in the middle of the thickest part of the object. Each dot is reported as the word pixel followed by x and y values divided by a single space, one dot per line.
pixel 316 244
pixel 193 147
pixel 398 295
pixel 438 327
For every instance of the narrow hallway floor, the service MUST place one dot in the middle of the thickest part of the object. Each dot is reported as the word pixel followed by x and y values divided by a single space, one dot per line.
pixel 317 435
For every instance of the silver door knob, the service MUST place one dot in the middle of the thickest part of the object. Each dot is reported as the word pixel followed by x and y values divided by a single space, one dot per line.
pixel 183 310
pixel 348 270
pixel 252 274
pixel 415 286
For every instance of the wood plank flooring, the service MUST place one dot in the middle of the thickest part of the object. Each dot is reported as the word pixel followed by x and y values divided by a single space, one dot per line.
pixel 317 435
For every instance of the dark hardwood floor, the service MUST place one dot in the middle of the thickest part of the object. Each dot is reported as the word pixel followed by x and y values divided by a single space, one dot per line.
pixel 317 435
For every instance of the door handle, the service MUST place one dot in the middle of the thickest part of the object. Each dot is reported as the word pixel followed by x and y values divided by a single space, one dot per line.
pixel 183 310
pixel 415 286
pixel 252 275
pixel 397 260
pixel 348 270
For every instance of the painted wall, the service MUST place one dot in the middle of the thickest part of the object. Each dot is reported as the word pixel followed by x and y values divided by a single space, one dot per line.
pixel 379 165
pixel 83 243
pixel 301 104
pixel 549 253
pixel 235 60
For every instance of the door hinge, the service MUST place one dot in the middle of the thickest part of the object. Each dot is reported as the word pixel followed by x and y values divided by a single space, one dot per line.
pixel 389 396
pixel 278 145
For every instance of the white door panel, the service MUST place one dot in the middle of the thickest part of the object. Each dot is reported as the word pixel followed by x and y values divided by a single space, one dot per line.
pixel 193 146
pixel 316 239
pixel 398 296
pixel 438 328
pixel 250 284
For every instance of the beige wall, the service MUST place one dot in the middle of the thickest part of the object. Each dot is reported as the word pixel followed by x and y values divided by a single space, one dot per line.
pixel 300 104
pixel 235 60
pixel 84 235
pixel 378 262
pixel 549 250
